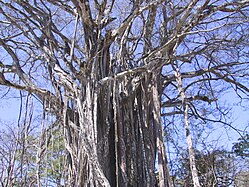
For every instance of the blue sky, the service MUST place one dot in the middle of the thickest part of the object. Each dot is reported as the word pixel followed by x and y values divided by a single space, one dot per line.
pixel 9 109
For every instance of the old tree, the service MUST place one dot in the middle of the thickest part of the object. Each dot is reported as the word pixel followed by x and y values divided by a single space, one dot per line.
pixel 105 73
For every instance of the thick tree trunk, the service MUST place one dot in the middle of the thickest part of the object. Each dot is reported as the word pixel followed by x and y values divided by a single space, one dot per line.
pixel 113 136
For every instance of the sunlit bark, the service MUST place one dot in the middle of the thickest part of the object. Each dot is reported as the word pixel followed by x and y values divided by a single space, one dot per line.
pixel 103 69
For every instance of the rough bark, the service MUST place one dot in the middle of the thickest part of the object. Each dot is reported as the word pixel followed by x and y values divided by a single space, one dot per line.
pixel 107 74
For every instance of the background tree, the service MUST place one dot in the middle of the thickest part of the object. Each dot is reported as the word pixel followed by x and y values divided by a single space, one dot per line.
pixel 215 168
pixel 241 148
pixel 104 70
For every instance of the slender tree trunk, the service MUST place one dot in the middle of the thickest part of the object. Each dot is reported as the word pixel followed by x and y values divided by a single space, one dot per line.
pixel 193 168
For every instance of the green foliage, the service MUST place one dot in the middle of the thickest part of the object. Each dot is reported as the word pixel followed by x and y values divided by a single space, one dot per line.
pixel 53 161
pixel 241 148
